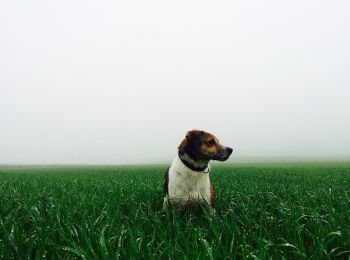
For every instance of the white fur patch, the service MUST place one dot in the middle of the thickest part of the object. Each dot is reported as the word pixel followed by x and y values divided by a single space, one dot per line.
pixel 186 185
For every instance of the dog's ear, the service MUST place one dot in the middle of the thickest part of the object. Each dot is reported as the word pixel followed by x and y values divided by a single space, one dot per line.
pixel 193 143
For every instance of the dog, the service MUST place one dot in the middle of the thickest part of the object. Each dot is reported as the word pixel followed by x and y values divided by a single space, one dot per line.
pixel 186 181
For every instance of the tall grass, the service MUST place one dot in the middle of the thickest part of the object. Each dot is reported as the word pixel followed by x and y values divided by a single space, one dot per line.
pixel 262 211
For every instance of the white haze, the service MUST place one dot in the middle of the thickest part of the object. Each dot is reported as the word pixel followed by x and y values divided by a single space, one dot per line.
pixel 122 81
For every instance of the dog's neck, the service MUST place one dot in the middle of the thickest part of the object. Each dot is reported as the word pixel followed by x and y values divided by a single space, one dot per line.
pixel 198 166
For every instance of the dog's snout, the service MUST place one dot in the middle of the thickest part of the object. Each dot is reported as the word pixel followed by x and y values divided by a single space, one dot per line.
pixel 223 154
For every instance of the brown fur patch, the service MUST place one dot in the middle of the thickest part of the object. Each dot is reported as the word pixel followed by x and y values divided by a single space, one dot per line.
pixel 210 144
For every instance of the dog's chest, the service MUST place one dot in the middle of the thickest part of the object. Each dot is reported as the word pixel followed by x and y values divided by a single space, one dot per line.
pixel 186 185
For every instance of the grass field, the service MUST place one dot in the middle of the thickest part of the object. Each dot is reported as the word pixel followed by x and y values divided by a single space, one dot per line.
pixel 295 210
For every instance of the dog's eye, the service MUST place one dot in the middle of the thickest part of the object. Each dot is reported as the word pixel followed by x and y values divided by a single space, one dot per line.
pixel 211 142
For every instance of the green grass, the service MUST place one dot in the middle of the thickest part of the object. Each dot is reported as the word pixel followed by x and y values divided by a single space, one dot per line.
pixel 262 211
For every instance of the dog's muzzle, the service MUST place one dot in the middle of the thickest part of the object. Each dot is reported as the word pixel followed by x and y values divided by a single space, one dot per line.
pixel 223 154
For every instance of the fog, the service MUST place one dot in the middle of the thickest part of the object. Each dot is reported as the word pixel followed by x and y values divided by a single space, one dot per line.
pixel 115 82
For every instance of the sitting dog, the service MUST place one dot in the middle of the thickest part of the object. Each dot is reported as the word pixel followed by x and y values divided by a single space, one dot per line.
pixel 186 181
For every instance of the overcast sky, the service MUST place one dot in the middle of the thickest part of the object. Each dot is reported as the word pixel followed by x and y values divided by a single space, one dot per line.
pixel 122 81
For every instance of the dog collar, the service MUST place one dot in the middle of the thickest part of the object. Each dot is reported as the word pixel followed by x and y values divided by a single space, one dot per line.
pixel 196 169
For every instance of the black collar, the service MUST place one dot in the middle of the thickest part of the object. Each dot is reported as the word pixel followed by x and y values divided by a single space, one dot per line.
pixel 193 168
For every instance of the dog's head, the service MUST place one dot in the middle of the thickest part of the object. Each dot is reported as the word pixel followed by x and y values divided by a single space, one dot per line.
pixel 203 146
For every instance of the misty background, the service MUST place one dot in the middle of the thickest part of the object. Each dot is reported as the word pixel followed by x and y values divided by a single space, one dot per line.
pixel 123 81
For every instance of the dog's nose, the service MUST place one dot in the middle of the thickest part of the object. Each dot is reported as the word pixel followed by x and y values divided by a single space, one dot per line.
pixel 229 150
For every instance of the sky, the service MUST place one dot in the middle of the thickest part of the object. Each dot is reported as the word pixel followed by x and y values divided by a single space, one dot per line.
pixel 118 82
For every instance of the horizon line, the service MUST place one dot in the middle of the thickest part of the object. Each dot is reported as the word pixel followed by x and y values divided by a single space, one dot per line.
pixel 236 159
